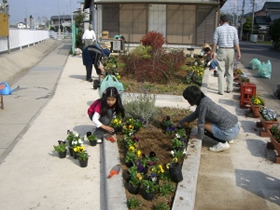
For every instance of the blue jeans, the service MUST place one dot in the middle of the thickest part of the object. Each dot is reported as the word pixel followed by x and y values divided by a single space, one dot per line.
pixel 226 135
pixel 213 64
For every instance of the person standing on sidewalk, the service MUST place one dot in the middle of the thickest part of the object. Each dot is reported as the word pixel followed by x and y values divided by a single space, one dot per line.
pixel 225 36
pixel 92 55
pixel 213 120
pixel 89 37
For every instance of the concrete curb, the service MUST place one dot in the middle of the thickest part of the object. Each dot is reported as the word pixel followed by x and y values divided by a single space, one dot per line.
pixel 115 197
pixel 186 190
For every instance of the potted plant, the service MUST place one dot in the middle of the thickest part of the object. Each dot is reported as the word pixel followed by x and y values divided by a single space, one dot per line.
pixel 178 143
pixel 135 123
pixel 91 138
pixel 117 123
pixel 169 130
pixel 71 136
pixel 268 118
pixel 134 182
pixel 82 156
pixel 244 79
pixel 149 188
pixel 77 142
pixel 256 103
pixel 175 170
pixel 130 157
pixel 274 133
pixel 132 203
pixel 166 122
pixel 61 148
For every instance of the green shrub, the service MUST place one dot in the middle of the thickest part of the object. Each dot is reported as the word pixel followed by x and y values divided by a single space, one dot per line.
pixel 133 203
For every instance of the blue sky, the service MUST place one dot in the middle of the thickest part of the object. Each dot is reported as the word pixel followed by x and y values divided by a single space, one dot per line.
pixel 40 9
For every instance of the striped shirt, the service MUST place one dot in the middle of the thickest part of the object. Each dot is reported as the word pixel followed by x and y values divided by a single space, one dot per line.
pixel 225 36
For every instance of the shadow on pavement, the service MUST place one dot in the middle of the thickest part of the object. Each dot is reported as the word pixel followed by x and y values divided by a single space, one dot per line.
pixel 249 127
pixel 257 148
pixel 259 183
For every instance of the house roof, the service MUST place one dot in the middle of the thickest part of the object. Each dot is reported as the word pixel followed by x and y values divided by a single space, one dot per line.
pixel 271 5
pixel 87 3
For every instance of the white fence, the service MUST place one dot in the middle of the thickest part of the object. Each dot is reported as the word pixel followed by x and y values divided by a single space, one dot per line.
pixel 19 38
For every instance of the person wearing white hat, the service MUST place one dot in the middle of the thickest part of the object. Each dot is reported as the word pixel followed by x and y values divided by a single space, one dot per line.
pixel 89 36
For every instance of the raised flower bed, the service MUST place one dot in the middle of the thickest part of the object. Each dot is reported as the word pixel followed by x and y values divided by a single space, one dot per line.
pixel 154 154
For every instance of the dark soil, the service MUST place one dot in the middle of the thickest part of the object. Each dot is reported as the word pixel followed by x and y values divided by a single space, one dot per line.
pixel 152 138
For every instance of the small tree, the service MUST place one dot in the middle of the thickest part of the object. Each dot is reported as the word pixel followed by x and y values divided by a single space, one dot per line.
pixel 79 20
pixel 247 25
pixel 275 33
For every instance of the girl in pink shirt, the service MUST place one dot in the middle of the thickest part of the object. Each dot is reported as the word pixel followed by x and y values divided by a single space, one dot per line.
pixel 102 111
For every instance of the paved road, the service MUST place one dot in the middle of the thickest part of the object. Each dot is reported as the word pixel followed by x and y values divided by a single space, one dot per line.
pixel 263 53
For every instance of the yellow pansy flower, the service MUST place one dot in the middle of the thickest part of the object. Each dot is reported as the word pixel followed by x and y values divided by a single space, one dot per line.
pixel 81 149
pixel 139 176
pixel 138 153
pixel 131 148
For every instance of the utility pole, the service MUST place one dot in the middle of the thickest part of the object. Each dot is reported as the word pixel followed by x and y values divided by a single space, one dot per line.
pixel 72 29
pixel 253 13
pixel 241 20
pixel 58 19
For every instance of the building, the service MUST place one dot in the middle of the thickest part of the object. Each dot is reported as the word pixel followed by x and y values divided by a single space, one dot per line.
pixel 65 22
pixel 185 22
pixel 264 18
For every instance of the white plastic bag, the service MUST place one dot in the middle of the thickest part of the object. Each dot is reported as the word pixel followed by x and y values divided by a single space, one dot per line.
pixel 265 70
pixel 255 64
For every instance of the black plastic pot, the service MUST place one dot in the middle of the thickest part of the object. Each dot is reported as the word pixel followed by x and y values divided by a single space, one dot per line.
pixel 92 143
pixel 132 189
pixel 62 154
pixel 148 196
pixel 175 172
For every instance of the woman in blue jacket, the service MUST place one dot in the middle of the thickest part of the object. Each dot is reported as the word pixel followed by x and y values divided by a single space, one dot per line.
pixel 92 55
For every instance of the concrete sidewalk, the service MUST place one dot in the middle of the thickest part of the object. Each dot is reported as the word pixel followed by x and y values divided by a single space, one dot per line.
pixel 245 176
pixel 51 101
pixel 32 176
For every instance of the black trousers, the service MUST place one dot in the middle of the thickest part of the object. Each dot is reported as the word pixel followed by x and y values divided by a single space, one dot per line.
pixel 209 134
pixel 89 72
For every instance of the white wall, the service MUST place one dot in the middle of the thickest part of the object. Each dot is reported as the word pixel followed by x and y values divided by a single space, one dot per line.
pixel 19 38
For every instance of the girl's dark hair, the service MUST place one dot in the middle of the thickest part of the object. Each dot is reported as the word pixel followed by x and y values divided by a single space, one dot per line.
pixel 111 92
pixel 193 94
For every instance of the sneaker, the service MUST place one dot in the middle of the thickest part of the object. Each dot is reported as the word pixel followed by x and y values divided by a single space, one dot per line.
pixel 99 141
pixel 89 80
pixel 231 141
pixel 220 147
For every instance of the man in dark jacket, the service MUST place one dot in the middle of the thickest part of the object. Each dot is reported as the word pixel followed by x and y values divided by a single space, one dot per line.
pixel 92 55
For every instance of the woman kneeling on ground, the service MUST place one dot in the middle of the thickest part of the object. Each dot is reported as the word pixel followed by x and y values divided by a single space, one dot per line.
pixel 213 120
